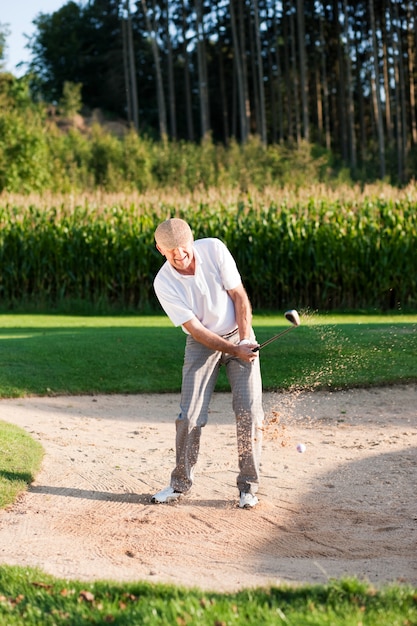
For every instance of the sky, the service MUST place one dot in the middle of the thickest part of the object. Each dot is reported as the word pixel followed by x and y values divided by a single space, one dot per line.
pixel 18 16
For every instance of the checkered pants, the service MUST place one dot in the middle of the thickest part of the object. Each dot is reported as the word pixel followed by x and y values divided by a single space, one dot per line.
pixel 200 371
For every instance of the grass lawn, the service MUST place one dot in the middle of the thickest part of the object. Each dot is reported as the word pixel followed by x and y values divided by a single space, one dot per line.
pixel 20 460
pixel 28 597
pixel 46 354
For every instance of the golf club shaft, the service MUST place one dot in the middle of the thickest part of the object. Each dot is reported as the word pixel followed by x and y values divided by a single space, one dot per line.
pixel 271 339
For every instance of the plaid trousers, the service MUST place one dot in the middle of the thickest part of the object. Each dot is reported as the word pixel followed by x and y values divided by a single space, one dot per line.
pixel 199 376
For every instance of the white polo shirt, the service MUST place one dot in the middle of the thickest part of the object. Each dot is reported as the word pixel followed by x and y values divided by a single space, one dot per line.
pixel 203 295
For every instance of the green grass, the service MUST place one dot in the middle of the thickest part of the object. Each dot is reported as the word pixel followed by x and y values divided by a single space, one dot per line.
pixel 59 354
pixel 44 355
pixel 29 597
pixel 20 459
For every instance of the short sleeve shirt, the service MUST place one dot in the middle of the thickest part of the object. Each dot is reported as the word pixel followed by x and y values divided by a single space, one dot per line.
pixel 203 295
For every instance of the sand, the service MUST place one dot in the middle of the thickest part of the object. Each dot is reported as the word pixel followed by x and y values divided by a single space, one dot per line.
pixel 347 506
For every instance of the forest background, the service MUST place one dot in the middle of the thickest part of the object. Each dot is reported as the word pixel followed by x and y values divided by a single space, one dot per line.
pixel 222 113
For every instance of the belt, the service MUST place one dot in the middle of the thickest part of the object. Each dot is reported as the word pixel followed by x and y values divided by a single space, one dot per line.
pixel 230 334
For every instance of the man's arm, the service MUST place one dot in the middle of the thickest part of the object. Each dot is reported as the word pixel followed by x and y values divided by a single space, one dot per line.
pixel 243 311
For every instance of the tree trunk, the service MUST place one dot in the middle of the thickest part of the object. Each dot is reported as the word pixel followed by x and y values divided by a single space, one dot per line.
pixel 254 75
pixel 340 85
pixel 326 103
pixel 272 98
pixel 411 74
pixel 349 92
pixel 287 70
pixel 260 73
pixel 126 71
pixel 202 71
pixel 295 81
pixel 278 80
pixel 376 92
pixel 171 81
pixel 303 69
pixel 400 98
pixel 130 69
pixel 386 47
pixel 239 75
pixel 159 84
pixel 223 97
pixel 361 106
pixel 187 80
pixel 243 55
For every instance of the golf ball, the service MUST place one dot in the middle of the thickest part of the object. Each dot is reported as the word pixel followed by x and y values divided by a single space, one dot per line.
pixel 301 447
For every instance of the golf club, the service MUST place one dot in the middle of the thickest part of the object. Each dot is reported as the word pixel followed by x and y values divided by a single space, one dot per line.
pixel 294 319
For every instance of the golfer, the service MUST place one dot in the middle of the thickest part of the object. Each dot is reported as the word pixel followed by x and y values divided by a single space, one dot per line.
pixel 200 288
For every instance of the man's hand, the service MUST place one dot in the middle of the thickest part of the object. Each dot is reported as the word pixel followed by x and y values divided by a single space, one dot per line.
pixel 245 350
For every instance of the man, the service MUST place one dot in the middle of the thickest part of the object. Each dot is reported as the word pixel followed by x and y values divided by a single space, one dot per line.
pixel 200 289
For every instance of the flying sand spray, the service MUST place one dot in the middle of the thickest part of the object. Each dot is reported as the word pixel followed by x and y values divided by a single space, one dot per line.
pixel 294 319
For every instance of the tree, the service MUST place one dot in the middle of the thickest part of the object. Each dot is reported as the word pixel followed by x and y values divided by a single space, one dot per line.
pixel 202 70
pixel 303 69
pixel 240 75
pixel 81 45
pixel 411 54
pixel 260 73
pixel 152 27
pixel 4 33
pixel 187 74
pixel 375 83
pixel 340 72
pixel 349 89
pixel 70 102
pixel 129 65
pixel 323 66
pixel 170 66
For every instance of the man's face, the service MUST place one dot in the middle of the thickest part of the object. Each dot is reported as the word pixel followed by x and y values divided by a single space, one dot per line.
pixel 181 258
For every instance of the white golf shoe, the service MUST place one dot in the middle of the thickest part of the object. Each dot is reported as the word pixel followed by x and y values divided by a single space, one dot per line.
pixel 247 500
pixel 166 495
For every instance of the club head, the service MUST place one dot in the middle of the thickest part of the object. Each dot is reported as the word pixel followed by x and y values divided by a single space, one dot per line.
pixel 293 317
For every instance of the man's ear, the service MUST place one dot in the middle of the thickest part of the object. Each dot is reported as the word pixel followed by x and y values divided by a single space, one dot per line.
pixel 160 249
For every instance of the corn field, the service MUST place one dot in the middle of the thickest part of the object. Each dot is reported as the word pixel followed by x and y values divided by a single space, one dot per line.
pixel 318 253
